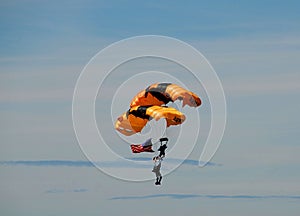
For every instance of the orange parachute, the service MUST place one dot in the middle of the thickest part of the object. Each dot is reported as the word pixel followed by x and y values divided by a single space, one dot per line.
pixel 162 93
pixel 136 118
pixel 150 104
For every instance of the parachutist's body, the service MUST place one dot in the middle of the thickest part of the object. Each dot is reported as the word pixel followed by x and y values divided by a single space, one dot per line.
pixel 156 169
pixel 163 147
pixel 162 150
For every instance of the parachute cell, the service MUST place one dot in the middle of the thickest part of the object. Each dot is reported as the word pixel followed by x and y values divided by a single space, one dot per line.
pixel 136 118
pixel 163 93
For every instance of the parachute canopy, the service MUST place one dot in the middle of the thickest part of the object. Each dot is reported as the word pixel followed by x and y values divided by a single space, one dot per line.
pixel 162 93
pixel 150 104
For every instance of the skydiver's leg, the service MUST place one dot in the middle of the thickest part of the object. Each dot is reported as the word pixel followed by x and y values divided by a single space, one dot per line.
pixel 160 178
pixel 157 181
pixel 157 176
pixel 157 173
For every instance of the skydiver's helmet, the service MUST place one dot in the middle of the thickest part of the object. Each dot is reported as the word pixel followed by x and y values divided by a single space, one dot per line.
pixel 164 139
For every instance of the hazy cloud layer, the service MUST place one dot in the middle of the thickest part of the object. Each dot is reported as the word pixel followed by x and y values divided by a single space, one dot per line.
pixel 207 196
pixel 118 164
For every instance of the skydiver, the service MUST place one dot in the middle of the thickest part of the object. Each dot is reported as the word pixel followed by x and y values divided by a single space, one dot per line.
pixel 156 169
pixel 163 147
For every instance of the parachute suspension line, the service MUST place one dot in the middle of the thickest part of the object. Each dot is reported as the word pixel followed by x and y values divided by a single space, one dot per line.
pixel 165 133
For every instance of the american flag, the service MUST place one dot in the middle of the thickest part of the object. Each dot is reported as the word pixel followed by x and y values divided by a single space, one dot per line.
pixel 144 147
pixel 140 148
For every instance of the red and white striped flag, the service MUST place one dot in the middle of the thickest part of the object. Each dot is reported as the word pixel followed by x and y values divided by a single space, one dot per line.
pixel 140 148
pixel 145 147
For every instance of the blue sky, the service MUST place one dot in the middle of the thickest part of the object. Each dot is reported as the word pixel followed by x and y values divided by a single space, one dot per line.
pixel 254 47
